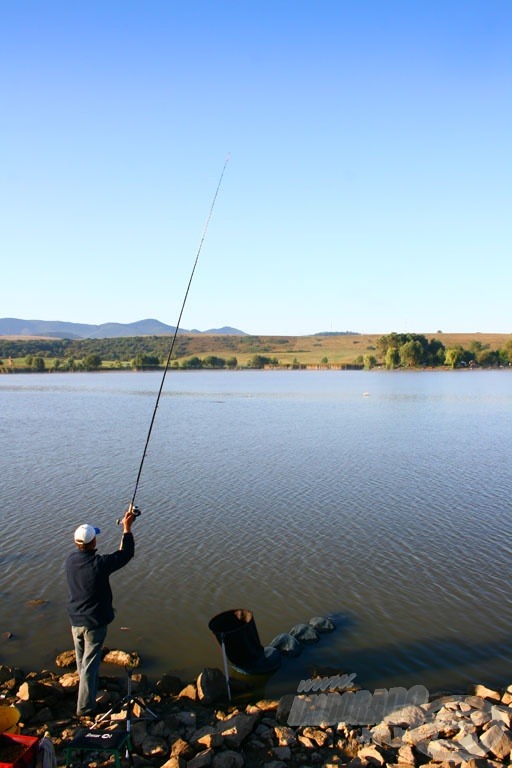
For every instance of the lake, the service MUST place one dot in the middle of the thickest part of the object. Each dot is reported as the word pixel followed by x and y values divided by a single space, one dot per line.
pixel 381 499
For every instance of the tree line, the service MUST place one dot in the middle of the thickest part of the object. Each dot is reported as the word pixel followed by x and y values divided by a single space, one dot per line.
pixel 394 350
pixel 413 350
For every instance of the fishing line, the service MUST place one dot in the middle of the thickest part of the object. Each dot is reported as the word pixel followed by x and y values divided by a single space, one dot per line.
pixel 144 453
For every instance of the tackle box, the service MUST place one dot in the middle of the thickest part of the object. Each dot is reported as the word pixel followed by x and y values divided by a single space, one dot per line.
pixel 17 750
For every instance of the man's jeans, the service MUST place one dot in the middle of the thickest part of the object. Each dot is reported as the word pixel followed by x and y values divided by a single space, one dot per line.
pixel 88 647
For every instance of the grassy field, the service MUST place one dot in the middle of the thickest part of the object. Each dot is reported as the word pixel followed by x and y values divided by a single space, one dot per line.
pixel 290 350
pixel 310 350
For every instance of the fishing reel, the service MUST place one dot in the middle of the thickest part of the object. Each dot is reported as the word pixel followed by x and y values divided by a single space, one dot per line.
pixel 136 511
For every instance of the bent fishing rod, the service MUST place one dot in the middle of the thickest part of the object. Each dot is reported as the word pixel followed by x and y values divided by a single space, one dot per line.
pixel 132 506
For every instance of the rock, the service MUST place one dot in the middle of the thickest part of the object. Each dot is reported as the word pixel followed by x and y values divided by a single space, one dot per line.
pixel 153 746
pixel 286 737
pixel 318 735
pixel 228 759
pixel 122 658
pixel 321 624
pixel 169 684
pixel 183 748
pixel 66 659
pixel 444 750
pixel 486 693
pixel 235 729
pixel 202 759
pixel 287 644
pixel 175 762
pixel 6 673
pixel 406 755
pixel 371 755
pixel 205 738
pixel 69 681
pixel 305 633
pixel 470 742
pixel 284 708
pixel 32 690
pixel 189 692
pixel 282 753
pixel 409 716
pixel 211 686
pixel 500 713
pixel 498 740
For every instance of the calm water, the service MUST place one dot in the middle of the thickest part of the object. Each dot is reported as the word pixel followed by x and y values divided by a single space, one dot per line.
pixel 381 499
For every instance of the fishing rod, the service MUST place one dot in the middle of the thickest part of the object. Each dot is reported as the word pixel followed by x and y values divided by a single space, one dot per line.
pixel 132 506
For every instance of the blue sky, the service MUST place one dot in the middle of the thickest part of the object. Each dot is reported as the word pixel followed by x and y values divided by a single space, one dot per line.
pixel 369 185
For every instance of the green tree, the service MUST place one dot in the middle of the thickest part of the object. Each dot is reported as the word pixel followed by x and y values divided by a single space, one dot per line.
pixel 193 362
pixel 258 361
pixel 38 364
pixel 145 361
pixel 231 362
pixel 392 358
pixel 488 358
pixel 411 354
pixel 92 362
pixel 212 361
pixel 453 356
pixel 369 362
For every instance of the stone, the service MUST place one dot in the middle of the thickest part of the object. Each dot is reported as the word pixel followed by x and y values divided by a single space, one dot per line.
pixel 381 734
pixel 175 762
pixel 235 729
pixel 169 684
pixel 138 732
pixel 321 624
pixel 69 681
pixel 205 738
pixel 188 692
pixel 443 750
pixel 153 746
pixel 500 713
pixel 305 633
pixel 66 659
pixel 318 735
pixel 408 716
pixel 181 747
pixel 202 759
pixel 282 753
pixel 287 644
pixel 228 759
pixel 286 737
pixel 486 693
pixel 479 717
pixel 122 658
pixel 371 755
pixel 406 755
pixel 498 740
pixel 470 742
pixel 477 702
pixel 211 686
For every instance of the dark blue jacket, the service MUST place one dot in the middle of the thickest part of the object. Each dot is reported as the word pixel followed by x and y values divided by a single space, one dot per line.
pixel 89 592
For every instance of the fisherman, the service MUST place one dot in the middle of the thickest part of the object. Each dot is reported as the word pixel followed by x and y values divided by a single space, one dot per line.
pixel 90 603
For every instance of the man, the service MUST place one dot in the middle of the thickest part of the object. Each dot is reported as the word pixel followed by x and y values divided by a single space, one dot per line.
pixel 90 603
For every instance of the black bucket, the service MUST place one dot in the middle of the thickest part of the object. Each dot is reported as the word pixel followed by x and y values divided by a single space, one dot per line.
pixel 236 629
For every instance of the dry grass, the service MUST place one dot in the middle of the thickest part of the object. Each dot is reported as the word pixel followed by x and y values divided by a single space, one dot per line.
pixel 311 350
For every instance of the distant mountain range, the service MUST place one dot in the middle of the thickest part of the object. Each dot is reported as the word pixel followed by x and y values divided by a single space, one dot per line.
pixel 56 329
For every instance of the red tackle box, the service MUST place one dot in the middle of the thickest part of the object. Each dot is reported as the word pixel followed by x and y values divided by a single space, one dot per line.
pixel 18 751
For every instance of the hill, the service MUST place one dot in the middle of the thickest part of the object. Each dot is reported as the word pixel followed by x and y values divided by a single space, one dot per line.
pixel 58 329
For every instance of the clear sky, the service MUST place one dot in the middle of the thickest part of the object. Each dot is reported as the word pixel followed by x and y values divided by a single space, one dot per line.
pixel 369 186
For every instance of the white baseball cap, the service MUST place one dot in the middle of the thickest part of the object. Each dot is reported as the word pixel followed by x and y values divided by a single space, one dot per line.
pixel 84 534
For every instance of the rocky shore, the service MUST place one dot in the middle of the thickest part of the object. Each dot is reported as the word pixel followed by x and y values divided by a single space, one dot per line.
pixel 175 724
